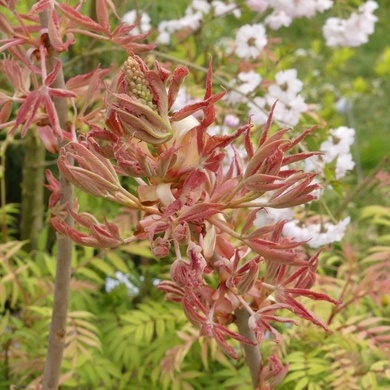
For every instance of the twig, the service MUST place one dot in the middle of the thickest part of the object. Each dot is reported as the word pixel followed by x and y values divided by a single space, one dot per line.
pixel 362 186
pixel 57 333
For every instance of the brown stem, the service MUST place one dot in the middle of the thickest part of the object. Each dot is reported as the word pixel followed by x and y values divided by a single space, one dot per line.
pixel 64 248
pixel 252 353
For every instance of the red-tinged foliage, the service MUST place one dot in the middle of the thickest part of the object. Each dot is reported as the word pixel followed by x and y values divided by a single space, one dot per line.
pixel 272 374
pixel 260 321
pixel 184 184
pixel 81 19
pixel 27 113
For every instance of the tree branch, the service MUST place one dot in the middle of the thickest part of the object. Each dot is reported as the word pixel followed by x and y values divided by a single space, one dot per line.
pixel 57 333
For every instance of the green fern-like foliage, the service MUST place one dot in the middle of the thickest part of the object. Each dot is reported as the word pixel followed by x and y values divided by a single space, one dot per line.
pixel 355 356
pixel 134 339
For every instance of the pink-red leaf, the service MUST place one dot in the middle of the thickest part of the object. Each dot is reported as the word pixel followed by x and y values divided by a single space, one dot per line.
pixel 80 19
pixel 200 211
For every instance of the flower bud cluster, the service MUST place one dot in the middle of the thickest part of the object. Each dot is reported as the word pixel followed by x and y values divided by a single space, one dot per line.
pixel 138 86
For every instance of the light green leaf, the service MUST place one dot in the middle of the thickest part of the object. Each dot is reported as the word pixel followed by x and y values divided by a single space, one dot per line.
pixel 233 381
pixel 379 365
pixel 302 383
pixel 90 274
pixel 149 331
pixel 126 330
pixel 139 334
pixel 296 357
pixel 293 376
pixel 50 264
pixel 160 327
pixel 153 312
pixel 139 248
pixel 3 296
pixel 102 266
pixel 81 314
pixel 315 369
pixel 297 366
pixel 117 262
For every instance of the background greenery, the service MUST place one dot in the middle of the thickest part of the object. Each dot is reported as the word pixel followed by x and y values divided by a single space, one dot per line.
pixel 137 340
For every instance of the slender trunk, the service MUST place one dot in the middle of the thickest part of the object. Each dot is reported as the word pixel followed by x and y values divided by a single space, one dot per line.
pixel 252 352
pixel 32 191
pixel 57 333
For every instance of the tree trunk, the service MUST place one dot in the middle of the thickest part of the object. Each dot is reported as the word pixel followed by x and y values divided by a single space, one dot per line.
pixel 32 191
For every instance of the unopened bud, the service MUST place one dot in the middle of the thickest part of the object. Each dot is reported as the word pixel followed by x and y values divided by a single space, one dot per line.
pixel 161 247
pixel 182 233
pixel 180 273
pixel 249 279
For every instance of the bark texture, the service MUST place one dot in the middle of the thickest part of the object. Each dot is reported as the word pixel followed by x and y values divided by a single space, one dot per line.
pixel 57 333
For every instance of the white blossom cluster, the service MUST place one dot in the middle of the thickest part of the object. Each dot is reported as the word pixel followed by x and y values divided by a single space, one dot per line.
pixel 284 11
pixel 245 84
pixel 286 91
pixel 353 31
pixel 317 234
pixel 193 17
pixel 290 104
pixel 132 17
pixel 251 39
pixel 336 148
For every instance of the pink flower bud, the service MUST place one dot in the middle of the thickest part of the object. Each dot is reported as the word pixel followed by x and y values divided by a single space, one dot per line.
pixel 197 261
pixel 54 187
pixel 273 373
pixel 181 273
pixel 174 292
pixel 102 236
pixel 48 138
pixel 191 308
pixel 161 247
pixel 249 279
pixel 182 233
pixel 95 174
